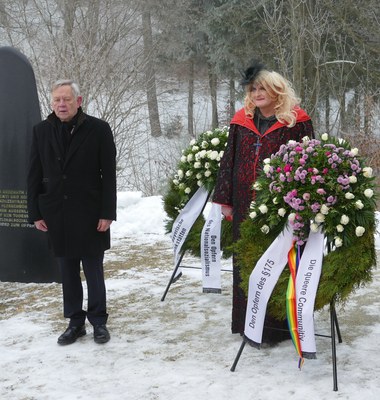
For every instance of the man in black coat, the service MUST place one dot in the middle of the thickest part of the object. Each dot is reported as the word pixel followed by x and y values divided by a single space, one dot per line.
pixel 72 197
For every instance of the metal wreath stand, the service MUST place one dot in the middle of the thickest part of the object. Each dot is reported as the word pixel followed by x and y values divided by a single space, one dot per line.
pixel 335 332
pixel 334 326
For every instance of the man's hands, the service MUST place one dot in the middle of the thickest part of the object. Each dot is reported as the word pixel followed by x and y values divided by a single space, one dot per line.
pixel 41 225
pixel 103 225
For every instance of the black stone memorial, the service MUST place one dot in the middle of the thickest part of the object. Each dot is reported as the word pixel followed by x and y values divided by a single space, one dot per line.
pixel 24 251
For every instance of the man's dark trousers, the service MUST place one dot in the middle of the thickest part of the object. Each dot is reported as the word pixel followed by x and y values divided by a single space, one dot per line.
pixel 73 290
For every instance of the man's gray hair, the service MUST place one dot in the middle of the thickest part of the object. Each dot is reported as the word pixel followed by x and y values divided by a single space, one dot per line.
pixel 67 82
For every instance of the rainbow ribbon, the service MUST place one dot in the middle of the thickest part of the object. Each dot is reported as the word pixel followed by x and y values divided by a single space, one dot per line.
pixel 291 301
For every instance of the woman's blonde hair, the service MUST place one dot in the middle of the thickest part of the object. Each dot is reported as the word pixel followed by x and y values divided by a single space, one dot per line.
pixel 279 89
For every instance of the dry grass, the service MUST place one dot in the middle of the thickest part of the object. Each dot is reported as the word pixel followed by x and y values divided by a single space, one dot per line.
pixel 19 298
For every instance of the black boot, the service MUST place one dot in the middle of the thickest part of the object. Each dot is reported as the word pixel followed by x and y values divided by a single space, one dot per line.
pixel 101 334
pixel 71 334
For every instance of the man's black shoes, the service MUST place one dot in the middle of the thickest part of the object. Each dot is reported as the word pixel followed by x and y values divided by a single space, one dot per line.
pixel 71 334
pixel 101 334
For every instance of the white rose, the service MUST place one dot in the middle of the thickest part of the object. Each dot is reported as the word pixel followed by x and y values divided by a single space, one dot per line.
pixel 263 208
pixel 199 183
pixel 340 228
pixel 214 155
pixel 202 153
pixel 267 161
pixel 281 212
pixel 183 158
pixel 175 181
pixel 349 196
pixel 368 193
pixel 319 218
pixel 190 157
pixel 180 173
pixel 215 141
pixel 197 165
pixel 207 173
pixel 359 231
pixel 367 172
pixel 353 179
pixel 344 220
pixel 314 227
pixel 291 217
pixel 359 204
pixel 204 145
pixel 338 241
pixel 324 209
pixel 265 229
pixel 253 214
pixel 207 165
pixel 195 148
pixel 354 151
pixel 187 190
pixel 192 142
pixel 256 186
pixel 325 137
pixel 266 168
pixel 189 172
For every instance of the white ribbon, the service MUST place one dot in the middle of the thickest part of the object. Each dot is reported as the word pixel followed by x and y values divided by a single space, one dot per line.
pixel 307 280
pixel 262 282
pixel 185 220
pixel 210 251
pixel 265 276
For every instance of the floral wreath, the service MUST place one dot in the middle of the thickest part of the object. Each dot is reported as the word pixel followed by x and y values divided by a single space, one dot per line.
pixel 319 181
pixel 314 185
pixel 310 185
pixel 198 166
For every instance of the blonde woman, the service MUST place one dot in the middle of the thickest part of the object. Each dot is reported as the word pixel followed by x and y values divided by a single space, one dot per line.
pixel 271 116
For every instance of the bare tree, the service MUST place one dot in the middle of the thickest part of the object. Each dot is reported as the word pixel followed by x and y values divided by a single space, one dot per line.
pixel 98 44
pixel 150 74
pixel 145 69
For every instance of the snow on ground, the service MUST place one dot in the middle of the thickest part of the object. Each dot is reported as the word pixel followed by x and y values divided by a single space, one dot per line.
pixel 180 348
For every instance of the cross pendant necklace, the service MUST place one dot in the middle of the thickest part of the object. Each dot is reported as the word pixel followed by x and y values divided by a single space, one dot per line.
pixel 257 145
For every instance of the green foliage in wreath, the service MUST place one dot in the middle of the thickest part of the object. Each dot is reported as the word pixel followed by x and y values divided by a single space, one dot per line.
pixel 198 166
pixel 344 270
pixel 314 185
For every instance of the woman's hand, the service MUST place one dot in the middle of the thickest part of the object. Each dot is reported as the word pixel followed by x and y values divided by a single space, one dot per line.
pixel 227 212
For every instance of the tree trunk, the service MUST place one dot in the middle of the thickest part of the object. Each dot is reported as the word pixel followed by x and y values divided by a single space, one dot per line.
pixel 342 112
pixel 232 99
pixel 368 107
pixel 298 45
pixel 150 76
pixel 190 101
pixel 213 82
pixel 327 112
